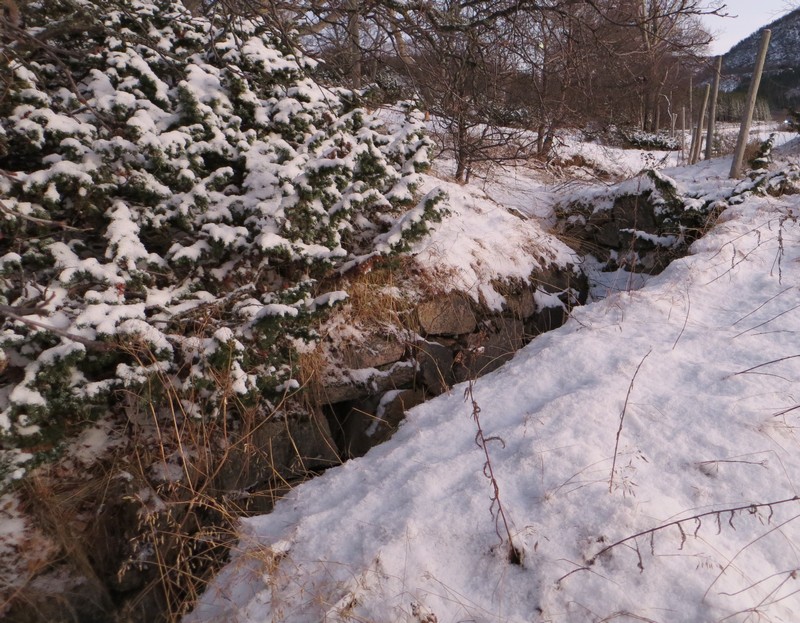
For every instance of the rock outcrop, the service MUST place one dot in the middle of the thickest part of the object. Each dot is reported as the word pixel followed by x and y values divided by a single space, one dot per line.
pixel 450 338
pixel 640 225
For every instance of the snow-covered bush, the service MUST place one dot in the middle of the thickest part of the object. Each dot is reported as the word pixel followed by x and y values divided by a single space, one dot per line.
pixel 650 140
pixel 172 191
pixel 763 155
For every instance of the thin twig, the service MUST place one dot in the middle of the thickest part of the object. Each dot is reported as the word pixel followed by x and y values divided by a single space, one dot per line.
pixel 767 363
pixel 18 310
pixel 39 221
pixel 750 508
pixel 766 321
pixel 768 532
pixel 786 410
pixel 770 299
pixel 719 512
pixel 685 320
pixel 622 420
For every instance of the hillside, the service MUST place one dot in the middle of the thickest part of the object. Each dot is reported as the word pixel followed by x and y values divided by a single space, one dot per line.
pixel 781 81
pixel 784 51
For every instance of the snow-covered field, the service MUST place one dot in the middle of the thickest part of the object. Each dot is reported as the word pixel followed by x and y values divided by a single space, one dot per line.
pixel 646 457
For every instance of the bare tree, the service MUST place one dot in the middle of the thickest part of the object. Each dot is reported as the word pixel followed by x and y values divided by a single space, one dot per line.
pixel 483 66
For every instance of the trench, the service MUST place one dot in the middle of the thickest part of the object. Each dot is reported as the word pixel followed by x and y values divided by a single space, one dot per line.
pixel 141 547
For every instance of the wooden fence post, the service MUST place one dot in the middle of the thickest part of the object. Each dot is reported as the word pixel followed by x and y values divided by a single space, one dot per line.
pixel 712 114
pixel 698 131
pixel 752 94
pixel 683 134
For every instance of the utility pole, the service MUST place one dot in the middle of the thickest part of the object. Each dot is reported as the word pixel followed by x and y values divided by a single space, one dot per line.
pixel 752 94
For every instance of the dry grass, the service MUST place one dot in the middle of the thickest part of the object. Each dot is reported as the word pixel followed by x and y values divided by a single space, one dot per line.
pixel 752 150
pixel 149 527
pixel 723 143
pixel 153 520
pixel 374 293
pixel 48 539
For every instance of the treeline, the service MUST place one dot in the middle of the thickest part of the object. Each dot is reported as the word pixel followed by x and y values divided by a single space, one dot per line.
pixel 487 70
pixel 731 106
pixel 779 89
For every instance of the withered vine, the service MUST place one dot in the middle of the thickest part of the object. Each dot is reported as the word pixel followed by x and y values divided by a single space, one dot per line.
pixel 515 554
pixel 695 522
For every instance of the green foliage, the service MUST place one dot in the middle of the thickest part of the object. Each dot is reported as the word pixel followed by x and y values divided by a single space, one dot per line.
pixel 649 140
pixel 175 189
pixel 763 155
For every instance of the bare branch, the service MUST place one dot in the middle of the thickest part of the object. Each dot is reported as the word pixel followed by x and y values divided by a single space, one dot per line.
pixel 622 420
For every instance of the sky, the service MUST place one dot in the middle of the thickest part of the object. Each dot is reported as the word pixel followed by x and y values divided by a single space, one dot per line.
pixel 750 16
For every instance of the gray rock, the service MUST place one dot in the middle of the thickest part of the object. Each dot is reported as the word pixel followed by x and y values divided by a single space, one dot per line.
pixel 658 210
pixel 635 212
pixel 521 304
pixel 285 445
pixel 375 351
pixel 357 384
pixel 604 233
pixel 394 409
pixel 490 348
pixel 363 428
pixel 555 279
pixel 546 319
pixel 450 314
pixel 435 363
pixel 77 598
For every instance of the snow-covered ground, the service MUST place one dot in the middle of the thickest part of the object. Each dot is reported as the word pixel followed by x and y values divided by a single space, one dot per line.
pixel 484 242
pixel 670 412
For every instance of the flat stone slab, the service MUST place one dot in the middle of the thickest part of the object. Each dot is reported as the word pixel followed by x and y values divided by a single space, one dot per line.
pixel 374 352
pixel 357 384
pixel 450 314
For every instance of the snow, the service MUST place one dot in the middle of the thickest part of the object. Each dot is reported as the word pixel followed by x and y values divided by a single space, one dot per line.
pixel 26 396
pixel 93 442
pixel 105 318
pixel 669 401
pixel 330 298
pixel 659 409
pixel 123 235
pixel 481 243
pixel 146 332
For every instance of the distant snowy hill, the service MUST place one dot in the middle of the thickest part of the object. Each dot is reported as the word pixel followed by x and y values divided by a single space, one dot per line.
pixel 784 51
pixel 781 81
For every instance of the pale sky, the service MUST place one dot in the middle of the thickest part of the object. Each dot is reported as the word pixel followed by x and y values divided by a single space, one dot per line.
pixel 752 15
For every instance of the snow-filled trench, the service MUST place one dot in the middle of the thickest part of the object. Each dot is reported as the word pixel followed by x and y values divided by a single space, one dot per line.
pixel 707 424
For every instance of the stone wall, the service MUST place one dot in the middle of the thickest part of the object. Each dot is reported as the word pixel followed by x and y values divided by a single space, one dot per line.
pixel 451 339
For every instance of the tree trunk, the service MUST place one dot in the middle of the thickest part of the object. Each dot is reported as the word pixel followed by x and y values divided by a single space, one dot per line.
pixel 461 150
pixel 354 43
pixel 658 117
pixel 697 141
